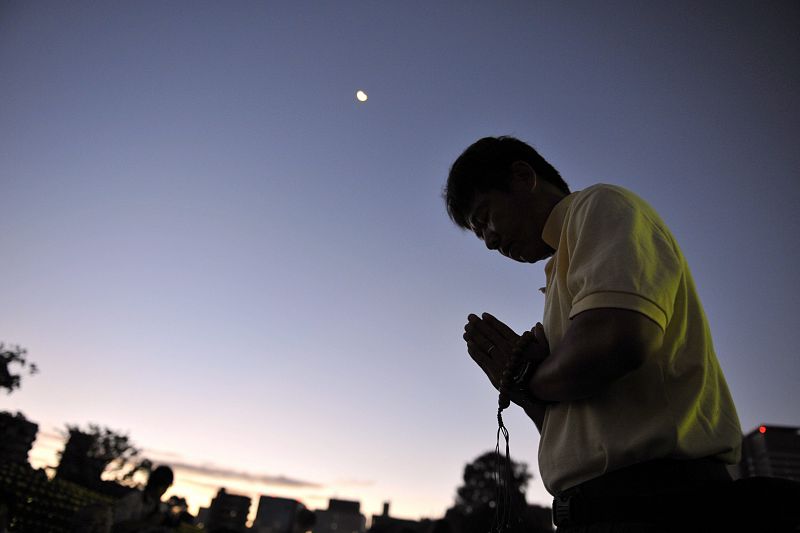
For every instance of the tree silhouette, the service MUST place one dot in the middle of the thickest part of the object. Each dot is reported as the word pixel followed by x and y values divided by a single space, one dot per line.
pixel 492 498
pixel 9 355
pixel 481 479
pixel 89 453
pixel 177 512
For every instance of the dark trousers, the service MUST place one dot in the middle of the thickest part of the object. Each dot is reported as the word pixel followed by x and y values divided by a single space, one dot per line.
pixel 651 497
pixel 617 527
pixel 671 495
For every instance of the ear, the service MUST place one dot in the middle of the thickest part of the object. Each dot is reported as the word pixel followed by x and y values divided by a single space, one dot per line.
pixel 523 176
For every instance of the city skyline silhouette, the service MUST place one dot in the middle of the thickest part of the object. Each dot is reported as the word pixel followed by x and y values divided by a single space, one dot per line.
pixel 209 243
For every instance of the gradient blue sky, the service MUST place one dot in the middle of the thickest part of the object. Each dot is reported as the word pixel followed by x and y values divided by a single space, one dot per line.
pixel 208 242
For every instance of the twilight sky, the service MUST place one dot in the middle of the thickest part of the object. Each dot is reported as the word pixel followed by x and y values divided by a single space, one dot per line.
pixel 208 242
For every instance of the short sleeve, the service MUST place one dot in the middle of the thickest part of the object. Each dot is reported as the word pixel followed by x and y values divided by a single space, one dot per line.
pixel 621 256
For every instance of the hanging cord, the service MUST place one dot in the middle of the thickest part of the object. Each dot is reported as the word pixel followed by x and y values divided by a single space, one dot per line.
pixel 505 501
pixel 502 478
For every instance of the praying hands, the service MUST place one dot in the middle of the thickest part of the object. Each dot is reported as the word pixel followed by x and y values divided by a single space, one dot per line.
pixel 490 343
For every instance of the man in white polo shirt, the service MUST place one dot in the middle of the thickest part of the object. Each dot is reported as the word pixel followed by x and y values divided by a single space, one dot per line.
pixel 635 416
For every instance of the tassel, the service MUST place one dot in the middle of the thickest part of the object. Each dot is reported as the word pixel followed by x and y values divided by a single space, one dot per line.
pixel 504 475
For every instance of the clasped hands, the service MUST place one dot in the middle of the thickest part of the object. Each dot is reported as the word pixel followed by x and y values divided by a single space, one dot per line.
pixel 490 342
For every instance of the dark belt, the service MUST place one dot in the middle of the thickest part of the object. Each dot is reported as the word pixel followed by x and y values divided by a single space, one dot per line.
pixel 646 492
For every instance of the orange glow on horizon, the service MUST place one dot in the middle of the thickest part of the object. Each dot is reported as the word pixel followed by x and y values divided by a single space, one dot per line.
pixel 198 488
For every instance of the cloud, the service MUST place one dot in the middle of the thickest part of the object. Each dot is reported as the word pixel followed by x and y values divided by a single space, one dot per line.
pixel 354 482
pixel 50 435
pixel 55 440
pixel 204 484
pixel 227 473
pixel 160 455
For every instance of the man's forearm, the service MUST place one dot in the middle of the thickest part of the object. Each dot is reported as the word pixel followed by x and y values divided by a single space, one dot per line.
pixel 535 411
pixel 560 379
pixel 594 352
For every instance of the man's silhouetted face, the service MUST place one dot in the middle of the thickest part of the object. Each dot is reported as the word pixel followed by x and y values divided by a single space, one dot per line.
pixel 512 222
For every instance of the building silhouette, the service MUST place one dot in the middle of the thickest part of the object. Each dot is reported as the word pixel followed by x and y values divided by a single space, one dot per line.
pixel 228 513
pixel 276 515
pixel 202 518
pixel 341 516
pixel 383 523
pixel 771 451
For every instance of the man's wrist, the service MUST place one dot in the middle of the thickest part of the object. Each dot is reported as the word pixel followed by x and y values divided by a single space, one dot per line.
pixel 520 384
pixel 526 401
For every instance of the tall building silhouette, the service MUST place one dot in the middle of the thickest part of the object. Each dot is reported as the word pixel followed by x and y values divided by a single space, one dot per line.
pixel 228 512
pixel 772 451
pixel 276 515
pixel 383 523
pixel 341 516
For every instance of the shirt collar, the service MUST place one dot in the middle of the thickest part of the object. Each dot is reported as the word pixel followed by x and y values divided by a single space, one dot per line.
pixel 551 234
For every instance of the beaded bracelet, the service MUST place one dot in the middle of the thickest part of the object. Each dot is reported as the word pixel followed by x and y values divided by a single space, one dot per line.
pixel 514 375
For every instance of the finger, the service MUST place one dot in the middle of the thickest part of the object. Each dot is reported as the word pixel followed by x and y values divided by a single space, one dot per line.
pixel 473 333
pixel 471 321
pixel 538 331
pixel 483 362
pixel 479 356
pixel 469 338
pixel 501 328
pixel 493 336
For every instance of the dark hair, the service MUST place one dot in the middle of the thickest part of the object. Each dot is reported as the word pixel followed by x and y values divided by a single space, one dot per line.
pixel 486 165
pixel 160 477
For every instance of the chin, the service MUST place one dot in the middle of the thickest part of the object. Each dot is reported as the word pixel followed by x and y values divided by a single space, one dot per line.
pixel 535 259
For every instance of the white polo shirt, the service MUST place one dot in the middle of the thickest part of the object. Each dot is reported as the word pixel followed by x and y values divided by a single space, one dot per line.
pixel 613 250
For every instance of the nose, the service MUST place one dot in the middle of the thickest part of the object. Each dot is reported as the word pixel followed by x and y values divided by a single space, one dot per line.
pixel 491 239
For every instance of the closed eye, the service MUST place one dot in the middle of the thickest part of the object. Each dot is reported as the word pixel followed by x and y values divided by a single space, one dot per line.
pixel 478 221
pixel 478 227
